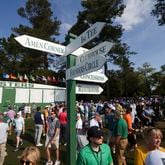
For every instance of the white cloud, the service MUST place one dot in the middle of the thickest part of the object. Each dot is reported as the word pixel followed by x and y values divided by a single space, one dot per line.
pixel 65 27
pixel 136 12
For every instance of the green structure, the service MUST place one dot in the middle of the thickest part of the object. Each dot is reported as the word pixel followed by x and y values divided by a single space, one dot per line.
pixel 17 93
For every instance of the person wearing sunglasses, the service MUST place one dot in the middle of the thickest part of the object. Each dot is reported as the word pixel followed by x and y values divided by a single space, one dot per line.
pixel 153 137
pixel 30 156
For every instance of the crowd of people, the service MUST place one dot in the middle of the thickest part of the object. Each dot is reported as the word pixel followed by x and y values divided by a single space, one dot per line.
pixel 105 130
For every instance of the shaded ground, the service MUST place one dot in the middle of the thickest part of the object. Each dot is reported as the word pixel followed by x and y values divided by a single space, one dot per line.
pixel 12 159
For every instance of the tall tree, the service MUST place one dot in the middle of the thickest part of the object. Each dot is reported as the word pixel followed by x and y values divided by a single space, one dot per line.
pixel 104 11
pixel 159 11
pixel 41 24
pixel 146 71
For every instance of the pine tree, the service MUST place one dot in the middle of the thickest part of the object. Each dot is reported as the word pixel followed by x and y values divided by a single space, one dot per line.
pixel 42 25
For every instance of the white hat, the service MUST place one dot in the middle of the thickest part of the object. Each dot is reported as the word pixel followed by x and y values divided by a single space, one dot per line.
pixel 19 113
pixel 78 115
pixel 112 107
pixel 5 113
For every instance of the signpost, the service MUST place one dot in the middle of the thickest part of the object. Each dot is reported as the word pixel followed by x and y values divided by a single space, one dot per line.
pixel 85 37
pixel 93 77
pixel 88 89
pixel 101 49
pixel 46 46
pixel 87 63
pixel 39 44
pixel 93 64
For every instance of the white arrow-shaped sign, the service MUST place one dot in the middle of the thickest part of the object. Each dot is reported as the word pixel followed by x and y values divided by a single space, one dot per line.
pixel 39 44
pixel 85 37
pixel 46 46
pixel 86 67
pixel 88 89
pixel 93 77
pixel 101 49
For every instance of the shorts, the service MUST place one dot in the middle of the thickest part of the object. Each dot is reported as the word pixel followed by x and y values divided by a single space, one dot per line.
pixel 18 132
pixel 11 121
pixel 54 144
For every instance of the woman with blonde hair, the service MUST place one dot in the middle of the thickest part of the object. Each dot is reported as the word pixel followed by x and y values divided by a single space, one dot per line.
pixel 153 137
pixel 30 156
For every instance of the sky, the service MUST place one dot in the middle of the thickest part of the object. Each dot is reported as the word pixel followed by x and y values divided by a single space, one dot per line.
pixel 142 32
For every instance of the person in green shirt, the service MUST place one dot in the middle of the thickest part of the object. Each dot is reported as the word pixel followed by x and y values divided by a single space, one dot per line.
pixel 120 135
pixel 95 152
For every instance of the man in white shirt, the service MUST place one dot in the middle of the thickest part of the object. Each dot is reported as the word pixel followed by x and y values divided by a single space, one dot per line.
pixel 96 121
pixel 19 125
pixel 79 123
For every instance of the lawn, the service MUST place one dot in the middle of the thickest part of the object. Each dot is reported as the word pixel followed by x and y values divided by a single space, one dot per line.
pixel 28 138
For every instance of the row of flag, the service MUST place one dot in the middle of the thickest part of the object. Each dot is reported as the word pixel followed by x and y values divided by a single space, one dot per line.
pixel 25 78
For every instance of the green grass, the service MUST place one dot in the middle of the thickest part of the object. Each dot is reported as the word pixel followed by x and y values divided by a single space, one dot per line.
pixel 28 138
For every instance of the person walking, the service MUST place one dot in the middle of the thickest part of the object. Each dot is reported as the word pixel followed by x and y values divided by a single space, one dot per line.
pixel 96 152
pixel 4 128
pixel 96 121
pixel 131 131
pixel 63 126
pixel 120 135
pixel 19 125
pixel 52 137
pixel 39 122
pixel 11 114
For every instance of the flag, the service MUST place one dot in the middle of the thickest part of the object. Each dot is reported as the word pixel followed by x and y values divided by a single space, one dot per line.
pixel 32 78
pixel 63 80
pixel 12 76
pixel 38 78
pixel 54 80
pixel 26 78
pixel 20 77
pixel 49 78
pixel 5 75
pixel 44 78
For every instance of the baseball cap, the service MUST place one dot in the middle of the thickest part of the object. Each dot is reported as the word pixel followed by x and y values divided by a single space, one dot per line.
pixel 94 132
